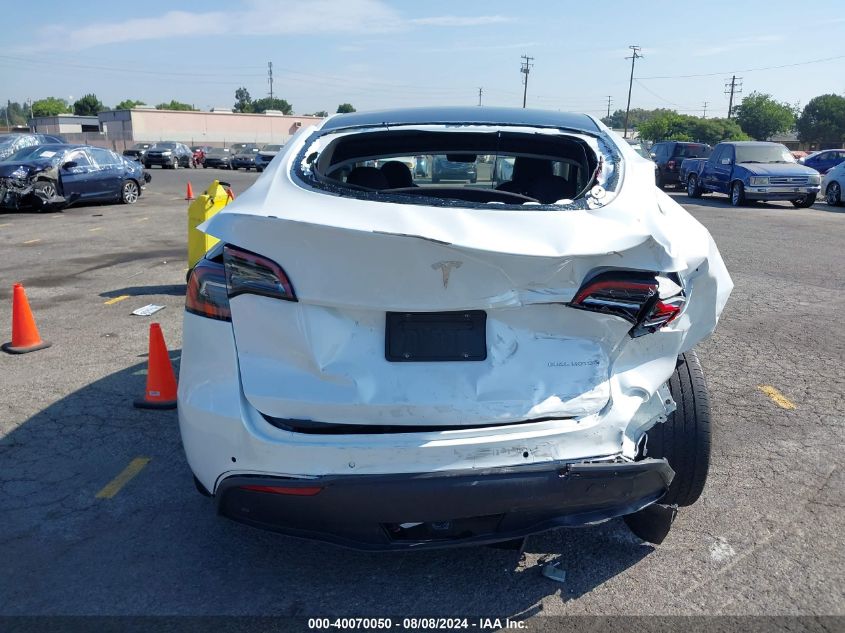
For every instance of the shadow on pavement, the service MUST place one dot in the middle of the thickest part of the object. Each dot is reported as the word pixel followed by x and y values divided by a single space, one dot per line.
pixel 158 548
pixel 176 290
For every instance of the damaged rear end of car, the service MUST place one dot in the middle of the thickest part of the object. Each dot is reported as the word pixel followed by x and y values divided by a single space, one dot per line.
pixel 398 362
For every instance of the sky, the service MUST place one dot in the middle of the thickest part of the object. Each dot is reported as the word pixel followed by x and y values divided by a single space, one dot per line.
pixel 388 53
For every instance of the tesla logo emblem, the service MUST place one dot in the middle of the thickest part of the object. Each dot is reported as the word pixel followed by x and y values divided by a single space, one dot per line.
pixel 446 269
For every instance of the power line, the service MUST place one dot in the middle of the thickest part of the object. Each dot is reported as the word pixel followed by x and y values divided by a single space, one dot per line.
pixel 525 69
pixel 480 92
pixel 704 114
pixel 636 55
pixel 732 87
pixel 609 100
pixel 270 79
pixel 747 70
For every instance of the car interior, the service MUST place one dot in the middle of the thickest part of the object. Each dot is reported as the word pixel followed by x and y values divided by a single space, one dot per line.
pixel 498 167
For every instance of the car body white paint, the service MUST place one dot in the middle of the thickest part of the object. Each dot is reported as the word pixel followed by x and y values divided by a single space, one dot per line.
pixel 351 260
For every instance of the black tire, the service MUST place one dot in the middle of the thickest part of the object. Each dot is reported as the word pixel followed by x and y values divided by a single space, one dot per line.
pixel 684 438
pixel 737 194
pixel 148 165
pixel 46 189
pixel 804 202
pixel 130 191
pixel 693 187
pixel 833 195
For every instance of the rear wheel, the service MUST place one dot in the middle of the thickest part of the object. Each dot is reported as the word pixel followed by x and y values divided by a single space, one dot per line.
pixel 684 438
pixel 737 194
pixel 805 201
pixel 693 188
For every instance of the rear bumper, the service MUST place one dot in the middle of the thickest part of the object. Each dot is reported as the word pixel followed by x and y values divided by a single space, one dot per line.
pixel 429 510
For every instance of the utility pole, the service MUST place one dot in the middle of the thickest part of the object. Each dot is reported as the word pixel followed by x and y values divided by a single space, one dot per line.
pixel 733 87
pixel 609 99
pixel 270 78
pixel 704 115
pixel 525 69
pixel 480 92
pixel 634 57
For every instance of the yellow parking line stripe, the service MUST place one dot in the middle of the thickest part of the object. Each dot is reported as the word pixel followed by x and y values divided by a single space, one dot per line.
pixel 115 300
pixel 141 219
pixel 6 224
pixel 96 228
pixel 32 241
pixel 116 484
pixel 777 397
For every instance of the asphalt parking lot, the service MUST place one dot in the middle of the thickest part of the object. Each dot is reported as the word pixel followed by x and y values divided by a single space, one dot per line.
pixel 766 537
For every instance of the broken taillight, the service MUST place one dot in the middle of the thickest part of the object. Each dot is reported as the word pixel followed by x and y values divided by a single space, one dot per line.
pixel 206 294
pixel 249 273
pixel 649 301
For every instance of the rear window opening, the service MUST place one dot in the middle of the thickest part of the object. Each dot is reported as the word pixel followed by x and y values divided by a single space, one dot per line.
pixel 456 167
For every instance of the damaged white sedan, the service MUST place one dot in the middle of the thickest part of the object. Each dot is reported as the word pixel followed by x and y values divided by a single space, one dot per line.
pixel 381 361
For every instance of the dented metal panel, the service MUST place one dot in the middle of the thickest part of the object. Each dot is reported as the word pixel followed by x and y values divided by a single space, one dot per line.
pixel 352 258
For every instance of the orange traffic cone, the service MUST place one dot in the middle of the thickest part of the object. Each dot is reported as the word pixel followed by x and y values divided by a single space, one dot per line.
pixel 230 193
pixel 189 195
pixel 161 381
pixel 25 337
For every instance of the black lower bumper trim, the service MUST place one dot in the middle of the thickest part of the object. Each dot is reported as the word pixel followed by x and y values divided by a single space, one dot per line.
pixel 412 511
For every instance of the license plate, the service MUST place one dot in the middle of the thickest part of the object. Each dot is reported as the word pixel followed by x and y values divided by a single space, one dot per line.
pixel 436 336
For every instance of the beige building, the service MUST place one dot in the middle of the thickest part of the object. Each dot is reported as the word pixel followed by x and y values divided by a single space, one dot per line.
pixel 65 124
pixel 124 127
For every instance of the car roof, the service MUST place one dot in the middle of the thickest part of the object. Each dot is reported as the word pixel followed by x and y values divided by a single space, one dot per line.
pixel 464 114
pixel 750 143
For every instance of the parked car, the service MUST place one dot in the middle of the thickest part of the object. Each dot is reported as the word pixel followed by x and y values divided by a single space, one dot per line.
pixel 199 152
pixel 265 155
pixel 138 151
pixel 454 167
pixel 55 176
pixel 752 170
pixel 824 160
pixel 834 184
pixel 443 365
pixel 169 154
pixel 668 156
pixel 11 143
pixel 218 157
pixel 244 157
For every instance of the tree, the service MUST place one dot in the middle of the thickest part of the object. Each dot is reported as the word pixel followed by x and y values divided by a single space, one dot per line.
pixel 762 117
pixel 89 105
pixel 243 102
pixel 175 105
pixel 321 113
pixel 823 120
pixel 128 104
pixel 14 113
pixel 671 126
pixel 262 105
pixel 636 117
pixel 343 108
pixel 51 106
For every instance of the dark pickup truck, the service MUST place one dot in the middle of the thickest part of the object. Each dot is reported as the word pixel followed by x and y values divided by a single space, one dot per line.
pixel 751 170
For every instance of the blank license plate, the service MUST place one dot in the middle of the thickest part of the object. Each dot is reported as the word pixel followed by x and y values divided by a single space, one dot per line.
pixel 436 336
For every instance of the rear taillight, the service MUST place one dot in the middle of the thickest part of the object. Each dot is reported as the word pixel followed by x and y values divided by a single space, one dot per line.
pixel 206 294
pixel 248 273
pixel 670 165
pixel 648 301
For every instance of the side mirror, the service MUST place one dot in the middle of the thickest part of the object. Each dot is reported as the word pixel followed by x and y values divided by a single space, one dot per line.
pixel 69 165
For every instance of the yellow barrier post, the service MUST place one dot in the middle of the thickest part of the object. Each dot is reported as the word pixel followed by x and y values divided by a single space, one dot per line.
pixel 205 206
